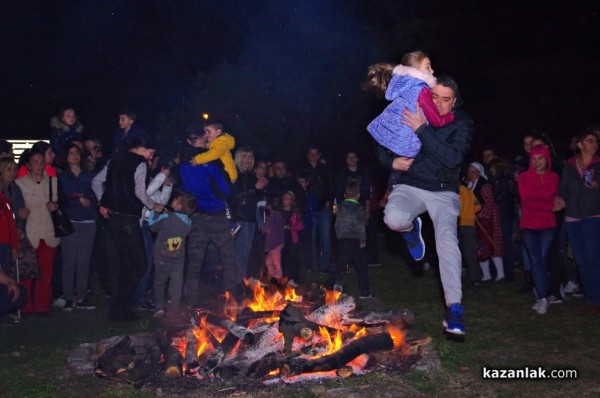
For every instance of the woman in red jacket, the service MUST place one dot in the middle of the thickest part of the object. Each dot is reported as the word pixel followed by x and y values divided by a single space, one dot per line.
pixel 538 190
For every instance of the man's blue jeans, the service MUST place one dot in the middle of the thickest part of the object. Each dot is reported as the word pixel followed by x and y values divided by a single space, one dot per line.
pixel 537 243
pixel 243 244
pixel 321 239
pixel 586 248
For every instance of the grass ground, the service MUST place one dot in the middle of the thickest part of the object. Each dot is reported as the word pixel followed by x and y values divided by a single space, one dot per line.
pixel 502 332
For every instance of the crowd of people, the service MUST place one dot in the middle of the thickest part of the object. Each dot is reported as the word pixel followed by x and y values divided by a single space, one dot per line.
pixel 154 226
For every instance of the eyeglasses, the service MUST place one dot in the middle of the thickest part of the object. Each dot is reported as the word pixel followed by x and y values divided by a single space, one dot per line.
pixel 591 141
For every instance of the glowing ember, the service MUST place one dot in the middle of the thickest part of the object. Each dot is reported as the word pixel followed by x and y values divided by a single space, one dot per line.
pixel 397 335
pixel 332 296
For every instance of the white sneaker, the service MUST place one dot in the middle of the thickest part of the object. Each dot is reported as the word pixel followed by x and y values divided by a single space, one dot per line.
pixel 59 302
pixel 540 306
pixel 571 287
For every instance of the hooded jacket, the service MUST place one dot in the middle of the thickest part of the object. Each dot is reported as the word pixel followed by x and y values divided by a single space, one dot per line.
pixel 61 134
pixel 537 193
pixel 220 149
pixel 581 201
pixel 407 87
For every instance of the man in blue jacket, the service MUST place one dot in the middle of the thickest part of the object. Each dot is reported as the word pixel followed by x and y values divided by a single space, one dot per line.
pixel 429 182
pixel 210 186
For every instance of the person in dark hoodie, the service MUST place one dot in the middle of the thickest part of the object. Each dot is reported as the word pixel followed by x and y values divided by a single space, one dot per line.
pixel 580 191
pixel 538 192
pixel 351 235
pixel 429 182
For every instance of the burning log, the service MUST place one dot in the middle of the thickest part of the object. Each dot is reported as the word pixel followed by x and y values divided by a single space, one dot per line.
pixel 365 345
pixel 248 314
pixel 292 323
pixel 403 318
pixel 239 331
pixel 173 360
pixel 332 314
pixel 222 350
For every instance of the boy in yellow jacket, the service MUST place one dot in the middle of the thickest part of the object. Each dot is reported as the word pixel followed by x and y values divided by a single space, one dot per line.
pixel 220 145
pixel 467 233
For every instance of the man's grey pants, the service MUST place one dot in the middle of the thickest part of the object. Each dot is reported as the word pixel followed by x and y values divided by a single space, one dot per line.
pixel 214 228
pixel 405 203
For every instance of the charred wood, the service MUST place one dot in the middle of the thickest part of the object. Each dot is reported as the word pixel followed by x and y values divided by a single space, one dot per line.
pixel 365 345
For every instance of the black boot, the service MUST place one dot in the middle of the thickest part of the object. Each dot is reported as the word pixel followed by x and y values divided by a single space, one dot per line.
pixel 527 283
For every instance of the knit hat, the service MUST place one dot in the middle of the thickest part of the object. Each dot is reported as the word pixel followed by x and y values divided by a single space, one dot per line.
pixel 480 169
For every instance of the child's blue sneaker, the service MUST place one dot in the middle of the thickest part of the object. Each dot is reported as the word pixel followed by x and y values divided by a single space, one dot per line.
pixel 416 245
pixel 453 321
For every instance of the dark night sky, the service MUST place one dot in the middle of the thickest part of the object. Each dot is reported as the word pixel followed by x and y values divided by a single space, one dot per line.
pixel 280 73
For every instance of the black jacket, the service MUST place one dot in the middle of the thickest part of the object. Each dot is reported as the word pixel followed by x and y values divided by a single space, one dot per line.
pixel 437 166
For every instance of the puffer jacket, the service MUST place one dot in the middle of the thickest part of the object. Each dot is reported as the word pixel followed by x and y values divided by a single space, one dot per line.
pixel 437 166
pixel 407 87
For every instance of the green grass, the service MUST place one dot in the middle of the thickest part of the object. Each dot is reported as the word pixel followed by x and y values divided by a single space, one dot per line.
pixel 502 332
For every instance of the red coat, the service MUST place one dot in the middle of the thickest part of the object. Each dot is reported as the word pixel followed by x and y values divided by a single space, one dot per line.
pixel 8 226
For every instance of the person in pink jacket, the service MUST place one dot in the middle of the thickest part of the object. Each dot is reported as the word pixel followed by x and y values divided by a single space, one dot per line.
pixel 538 191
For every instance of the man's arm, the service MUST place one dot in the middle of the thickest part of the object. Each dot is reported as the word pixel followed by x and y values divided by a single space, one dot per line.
pixel 11 285
pixel 448 149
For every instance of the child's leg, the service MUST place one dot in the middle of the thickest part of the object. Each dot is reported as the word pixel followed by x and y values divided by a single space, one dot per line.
pixel 276 262
pixel 161 275
pixel 176 283
pixel 359 260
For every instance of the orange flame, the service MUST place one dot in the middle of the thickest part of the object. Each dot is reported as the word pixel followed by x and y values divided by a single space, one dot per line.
pixel 263 300
pixel 358 331
pixel 332 296
pixel 397 335
pixel 333 344
pixel 201 335
pixel 290 294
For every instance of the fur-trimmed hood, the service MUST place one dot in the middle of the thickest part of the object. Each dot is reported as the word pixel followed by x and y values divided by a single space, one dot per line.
pixel 402 70
pixel 57 124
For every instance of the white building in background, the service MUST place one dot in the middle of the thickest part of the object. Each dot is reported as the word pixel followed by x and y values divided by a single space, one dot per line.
pixel 20 145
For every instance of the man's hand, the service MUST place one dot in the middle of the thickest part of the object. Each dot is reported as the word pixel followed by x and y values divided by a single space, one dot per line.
pixel 413 120
pixel 85 202
pixel 24 213
pixel 52 206
pixel 13 288
pixel 261 183
pixel 402 163
pixel 104 212
pixel 158 208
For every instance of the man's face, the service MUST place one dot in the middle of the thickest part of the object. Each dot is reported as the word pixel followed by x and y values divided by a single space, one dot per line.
pixel 211 133
pixel 488 156
pixel 444 98
pixel 198 141
pixel 147 153
pixel 279 170
pixel 351 159
pixel 313 155
pixel 125 122
pixel 527 143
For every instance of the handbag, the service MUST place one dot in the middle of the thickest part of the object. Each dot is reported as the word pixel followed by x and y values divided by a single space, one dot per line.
pixel 27 266
pixel 62 225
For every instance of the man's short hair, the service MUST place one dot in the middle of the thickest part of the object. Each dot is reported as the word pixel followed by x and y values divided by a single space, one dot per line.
pixel 5 146
pixel 136 142
pixel 447 81
pixel 6 162
pixel 129 113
